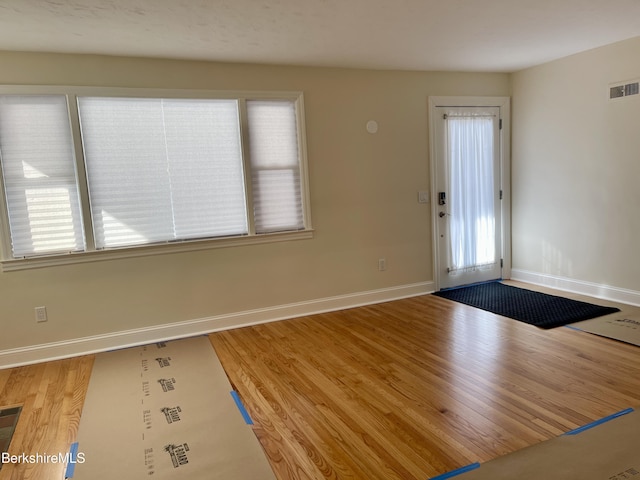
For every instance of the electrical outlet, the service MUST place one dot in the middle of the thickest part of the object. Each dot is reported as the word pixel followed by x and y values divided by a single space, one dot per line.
pixel 382 264
pixel 41 314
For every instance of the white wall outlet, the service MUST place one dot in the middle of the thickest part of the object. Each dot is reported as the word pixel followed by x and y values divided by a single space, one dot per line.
pixel 41 314
pixel 382 264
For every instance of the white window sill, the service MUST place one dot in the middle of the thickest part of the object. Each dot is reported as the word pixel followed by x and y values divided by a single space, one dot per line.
pixel 146 250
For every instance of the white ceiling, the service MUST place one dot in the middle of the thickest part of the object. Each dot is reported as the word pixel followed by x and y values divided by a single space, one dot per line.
pixel 462 35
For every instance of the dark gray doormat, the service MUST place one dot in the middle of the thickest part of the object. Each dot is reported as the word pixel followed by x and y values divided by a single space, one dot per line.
pixel 534 308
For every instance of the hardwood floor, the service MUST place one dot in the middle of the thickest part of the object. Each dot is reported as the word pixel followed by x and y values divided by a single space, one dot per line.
pixel 52 395
pixel 414 388
pixel 401 390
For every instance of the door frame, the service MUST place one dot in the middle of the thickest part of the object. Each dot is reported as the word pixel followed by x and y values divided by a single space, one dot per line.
pixel 504 104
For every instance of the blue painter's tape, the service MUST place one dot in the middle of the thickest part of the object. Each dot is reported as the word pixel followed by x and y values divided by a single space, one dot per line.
pixel 243 411
pixel 574 328
pixel 599 422
pixel 73 456
pixel 458 471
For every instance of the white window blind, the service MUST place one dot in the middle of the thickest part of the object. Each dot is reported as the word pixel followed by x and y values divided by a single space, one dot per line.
pixel 275 165
pixel 38 167
pixel 163 170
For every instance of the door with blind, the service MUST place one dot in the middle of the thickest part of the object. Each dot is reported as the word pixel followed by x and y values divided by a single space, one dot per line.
pixel 468 206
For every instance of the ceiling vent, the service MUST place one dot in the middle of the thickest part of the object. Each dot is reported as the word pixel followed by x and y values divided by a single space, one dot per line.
pixel 623 90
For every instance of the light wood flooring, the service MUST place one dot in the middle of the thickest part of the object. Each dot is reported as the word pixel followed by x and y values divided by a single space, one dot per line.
pixel 401 390
pixel 52 395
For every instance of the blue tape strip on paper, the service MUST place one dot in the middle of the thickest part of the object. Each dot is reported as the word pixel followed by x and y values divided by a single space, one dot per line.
pixel 243 411
pixel 458 471
pixel 71 466
pixel 599 422
pixel 573 328
pixel 473 466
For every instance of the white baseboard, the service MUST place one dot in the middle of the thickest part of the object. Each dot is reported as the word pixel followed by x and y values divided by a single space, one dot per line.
pixel 596 290
pixel 141 336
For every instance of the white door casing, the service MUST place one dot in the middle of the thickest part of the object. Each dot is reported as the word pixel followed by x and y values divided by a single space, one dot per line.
pixel 455 121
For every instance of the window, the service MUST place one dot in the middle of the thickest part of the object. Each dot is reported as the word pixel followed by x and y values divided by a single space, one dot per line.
pixel 39 175
pixel 163 170
pixel 274 166
pixel 85 172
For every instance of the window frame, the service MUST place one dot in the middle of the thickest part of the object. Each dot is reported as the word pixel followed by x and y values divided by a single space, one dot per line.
pixel 91 253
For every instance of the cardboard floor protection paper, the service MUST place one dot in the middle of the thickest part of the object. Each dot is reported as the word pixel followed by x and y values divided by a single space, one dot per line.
pixel 165 411
pixel 608 449
pixel 613 326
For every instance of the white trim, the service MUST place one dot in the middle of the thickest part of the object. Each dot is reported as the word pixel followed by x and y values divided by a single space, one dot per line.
pixel 304 161
pixel 596 290
pixel 141 336
pixel 142 92
pixel 504 104
pixel 146 250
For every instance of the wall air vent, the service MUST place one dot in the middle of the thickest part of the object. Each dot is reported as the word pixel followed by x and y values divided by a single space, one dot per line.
pixel 616 92
pixel 631 89
pixel 624 89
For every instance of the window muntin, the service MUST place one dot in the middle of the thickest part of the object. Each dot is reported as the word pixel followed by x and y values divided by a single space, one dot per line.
pixel 201 170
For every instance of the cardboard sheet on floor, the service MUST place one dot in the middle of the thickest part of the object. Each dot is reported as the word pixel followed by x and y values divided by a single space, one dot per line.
pixel 619 327
pixel 608 449
pixel 164 411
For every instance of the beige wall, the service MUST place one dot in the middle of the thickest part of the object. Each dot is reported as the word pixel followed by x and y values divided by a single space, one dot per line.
pixel 576 169
pixel 363 202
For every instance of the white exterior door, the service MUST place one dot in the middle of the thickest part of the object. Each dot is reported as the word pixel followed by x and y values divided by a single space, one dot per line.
pixel 468 194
